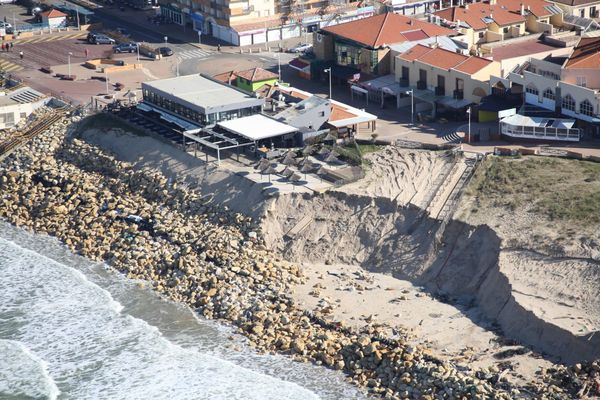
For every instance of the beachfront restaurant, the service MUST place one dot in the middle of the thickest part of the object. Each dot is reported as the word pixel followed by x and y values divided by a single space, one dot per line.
pixel 258 133
pixel 198 100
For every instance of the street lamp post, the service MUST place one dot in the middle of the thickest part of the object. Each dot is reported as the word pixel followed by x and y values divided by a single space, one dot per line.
pixel 69 62
pixel 137 47
pixel 328 70
pixel 412 106
pixel 177 65
pixel 469 128
pixel 166 39
pixel 279 65
pixel 106 80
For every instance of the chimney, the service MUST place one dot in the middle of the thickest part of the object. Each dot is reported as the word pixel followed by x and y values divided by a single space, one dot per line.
pixel 466 6
pixel 492 2
pixel 491 15
pixel 522 9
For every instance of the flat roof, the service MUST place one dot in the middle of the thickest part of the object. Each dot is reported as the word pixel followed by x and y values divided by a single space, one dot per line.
pixel 207 94
pixel 257 127
pixel 519 49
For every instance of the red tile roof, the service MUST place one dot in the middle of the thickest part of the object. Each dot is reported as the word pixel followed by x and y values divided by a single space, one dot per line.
pixel 504 12
pixel 257 74
pixel 53 14
pixel 383 29
pixel 445 59
pixel 226 77
pixel 586 55
pixel 415 52
pixel 519 49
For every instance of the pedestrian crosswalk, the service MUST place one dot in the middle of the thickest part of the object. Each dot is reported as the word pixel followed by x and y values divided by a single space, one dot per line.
pixel 194 54
pixel 51 37
pixel 7 66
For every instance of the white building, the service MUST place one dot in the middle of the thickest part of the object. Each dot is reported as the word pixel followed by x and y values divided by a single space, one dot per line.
pixel 18 105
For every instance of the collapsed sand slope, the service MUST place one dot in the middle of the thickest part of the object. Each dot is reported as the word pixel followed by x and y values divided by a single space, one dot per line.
pixel 408 176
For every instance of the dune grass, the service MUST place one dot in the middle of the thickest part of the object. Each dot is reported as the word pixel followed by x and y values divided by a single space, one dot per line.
pixel 560 189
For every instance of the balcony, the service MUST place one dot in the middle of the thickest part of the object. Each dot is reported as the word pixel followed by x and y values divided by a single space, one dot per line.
pixel 421 85
pixel 459 94
pixel 440 91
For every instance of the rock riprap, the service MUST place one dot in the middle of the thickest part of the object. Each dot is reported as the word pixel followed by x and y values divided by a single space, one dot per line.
pixel 195 252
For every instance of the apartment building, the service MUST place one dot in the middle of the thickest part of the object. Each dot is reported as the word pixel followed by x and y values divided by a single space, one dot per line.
pixel 246 22
pixel 580 8
pixel 363 46
pixel 443 78
pixel 567 85
pixel 499 20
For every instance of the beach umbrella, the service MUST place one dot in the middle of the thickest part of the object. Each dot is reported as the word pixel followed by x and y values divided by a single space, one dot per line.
pixel 331 158
pixel 294 178
pixel 308 150
pixel 286 173
pixel 262 164
pixel 289 159
pixel 322 171
pixel 269 170
pixel 329 138
pixel 307 167
pixel 322 151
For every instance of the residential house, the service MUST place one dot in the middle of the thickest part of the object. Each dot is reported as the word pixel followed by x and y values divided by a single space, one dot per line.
pixel 363 46
pixel 444 79
pixel 53 18
pixel 250 79
pixel 498 20
pixel 567 85
pixel 580 8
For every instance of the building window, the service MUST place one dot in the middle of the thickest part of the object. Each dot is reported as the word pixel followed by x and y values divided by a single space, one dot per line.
pixel 581 81
pixel 585 108
pixel 505 29
pixel 481 35
pixel 548 94
pixel 568 103
pixel 532 90
pixel 593 12
pixel 347 55
pixel 582 13
pixel 321 113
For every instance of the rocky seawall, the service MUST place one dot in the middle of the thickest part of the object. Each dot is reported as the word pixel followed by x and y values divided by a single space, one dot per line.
pixel 214 260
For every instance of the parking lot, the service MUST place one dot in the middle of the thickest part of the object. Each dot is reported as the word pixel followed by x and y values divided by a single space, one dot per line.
pixel 16 15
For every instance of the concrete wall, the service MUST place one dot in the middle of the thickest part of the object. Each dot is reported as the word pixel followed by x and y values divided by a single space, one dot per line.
pixel 17 110
pixel 323 46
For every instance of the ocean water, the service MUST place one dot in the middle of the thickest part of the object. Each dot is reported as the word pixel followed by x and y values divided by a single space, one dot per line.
pixel 73 329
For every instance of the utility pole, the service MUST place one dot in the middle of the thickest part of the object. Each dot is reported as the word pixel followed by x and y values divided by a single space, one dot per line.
pixel 329 71
pixel 69 62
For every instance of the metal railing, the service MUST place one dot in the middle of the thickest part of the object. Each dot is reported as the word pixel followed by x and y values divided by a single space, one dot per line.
pixel 540 132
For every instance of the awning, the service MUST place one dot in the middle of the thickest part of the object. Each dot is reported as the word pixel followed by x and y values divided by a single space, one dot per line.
pixel 454 103
pixel 343 72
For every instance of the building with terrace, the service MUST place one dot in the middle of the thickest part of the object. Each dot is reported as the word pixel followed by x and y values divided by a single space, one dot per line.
pixel 363 46
pixel 444 79
pixel 563 85
pixel 498 20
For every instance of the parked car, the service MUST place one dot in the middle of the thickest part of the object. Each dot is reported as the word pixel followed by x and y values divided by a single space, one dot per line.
pixel 165 51
pixel 6 26
pixel 301 48
pixel 125 48
pixel 102 39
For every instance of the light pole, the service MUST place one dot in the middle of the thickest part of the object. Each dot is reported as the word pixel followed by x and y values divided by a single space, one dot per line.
pixel 412 106
pixel 166 39
pixel 69 62
pixel 328 70
pixel 279 65
pixel 106 80
pixel 469 128
pixel 137 47
pixel 177 65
